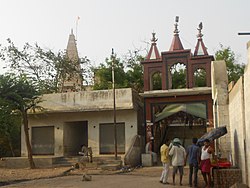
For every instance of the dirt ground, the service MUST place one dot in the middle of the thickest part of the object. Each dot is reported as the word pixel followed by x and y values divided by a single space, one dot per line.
pixel 11 175
pixel 17 176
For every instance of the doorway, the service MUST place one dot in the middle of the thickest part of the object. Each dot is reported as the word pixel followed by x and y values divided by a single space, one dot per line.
pixel 75 135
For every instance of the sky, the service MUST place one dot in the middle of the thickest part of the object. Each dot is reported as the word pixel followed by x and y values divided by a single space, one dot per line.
pixel 124 25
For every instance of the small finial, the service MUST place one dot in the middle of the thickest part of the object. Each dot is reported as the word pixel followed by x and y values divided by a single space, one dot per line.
pixel 200 35
pixel 112 54
pixel 176 31
pixel 71 31
pixel 176 19
pixel 153 40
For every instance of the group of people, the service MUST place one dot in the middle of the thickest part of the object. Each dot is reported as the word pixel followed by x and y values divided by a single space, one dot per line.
pixel 198 158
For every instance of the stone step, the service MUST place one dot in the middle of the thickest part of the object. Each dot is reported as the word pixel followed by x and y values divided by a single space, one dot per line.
pixel 111 167
pixel 108 163
pixel 66 161
pixel 105 158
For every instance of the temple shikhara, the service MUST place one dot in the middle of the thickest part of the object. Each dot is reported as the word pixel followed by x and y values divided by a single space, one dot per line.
pixel 72 82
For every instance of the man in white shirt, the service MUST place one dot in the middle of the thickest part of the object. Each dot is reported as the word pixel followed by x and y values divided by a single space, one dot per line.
pixel 148 149
pixel 178 154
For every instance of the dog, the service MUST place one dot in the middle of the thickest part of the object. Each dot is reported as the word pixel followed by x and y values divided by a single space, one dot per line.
pixel 86 177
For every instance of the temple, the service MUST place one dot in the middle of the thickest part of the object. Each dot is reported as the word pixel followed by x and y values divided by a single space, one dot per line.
pixel 177 91
pixel 72 81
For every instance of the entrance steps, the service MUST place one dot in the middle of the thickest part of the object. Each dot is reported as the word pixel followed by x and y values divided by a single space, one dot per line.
pixel 108 163
pixel 65 161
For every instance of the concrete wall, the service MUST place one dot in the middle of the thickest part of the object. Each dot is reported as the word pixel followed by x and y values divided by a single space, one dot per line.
pixel 247 112
pixel 63 110
pixel 237 125
pixel 93 118
pixel 239 110
pixel 88 100
pixel 220 105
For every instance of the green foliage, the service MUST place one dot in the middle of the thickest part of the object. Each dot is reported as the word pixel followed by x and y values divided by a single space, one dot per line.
pixel 156 81
pixel 178 73
pixel 234 69
pixel 87 72
pixel 46 68
pixel 103 75
pixel 128 73
pixel 10 124
pixel 134 70
pixel 18 95
pixel 19 92
pixel 200 78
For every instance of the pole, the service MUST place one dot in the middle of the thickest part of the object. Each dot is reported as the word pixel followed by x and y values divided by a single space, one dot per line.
pixel 244 33
pixel 113 85
pixel 78 18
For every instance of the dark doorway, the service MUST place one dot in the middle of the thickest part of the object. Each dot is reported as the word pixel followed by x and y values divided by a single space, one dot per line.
pixel 182 120
pixel 75 135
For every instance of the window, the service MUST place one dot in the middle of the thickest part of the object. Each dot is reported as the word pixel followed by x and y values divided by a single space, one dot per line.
pixel 178 74
pixel 200 78
pixel 156 81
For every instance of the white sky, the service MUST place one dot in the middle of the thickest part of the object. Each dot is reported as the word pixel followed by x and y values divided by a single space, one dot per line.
pixel 124 25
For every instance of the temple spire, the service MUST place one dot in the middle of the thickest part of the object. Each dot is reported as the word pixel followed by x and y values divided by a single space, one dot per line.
pixel 72 82
pixel 200 48
pixel 176 42
pixel 153 52
pixel 71 50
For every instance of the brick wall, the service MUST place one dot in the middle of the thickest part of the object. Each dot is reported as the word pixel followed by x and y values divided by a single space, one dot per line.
pixel 224 178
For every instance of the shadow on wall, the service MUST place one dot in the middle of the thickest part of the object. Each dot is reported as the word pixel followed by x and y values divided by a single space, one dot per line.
pixel 236 149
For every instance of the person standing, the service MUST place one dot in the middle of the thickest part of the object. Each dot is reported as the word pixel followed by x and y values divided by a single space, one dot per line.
pixel 193 156
pixel 178 154
pixel 164 150
pixel 205 164
pixel 148 149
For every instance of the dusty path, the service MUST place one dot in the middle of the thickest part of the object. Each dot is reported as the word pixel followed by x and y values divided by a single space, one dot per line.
pixel 103 181
pixel 143 177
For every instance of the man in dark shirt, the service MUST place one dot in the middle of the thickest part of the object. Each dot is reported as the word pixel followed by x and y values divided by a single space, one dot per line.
pixel 193 152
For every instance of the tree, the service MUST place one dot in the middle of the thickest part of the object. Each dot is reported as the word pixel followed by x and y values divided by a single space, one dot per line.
pixel 103 75
pixel 134 70
pixel 128 73
pixel 9 130
pixel 21 95
pixel 234 69
pixel 200 78
pixel 178 75
pixel 46 68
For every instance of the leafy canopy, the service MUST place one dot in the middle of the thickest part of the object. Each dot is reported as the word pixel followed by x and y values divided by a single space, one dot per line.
pixel 44 67
pixel 128 73
pixel 18 95
pixel 234 69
